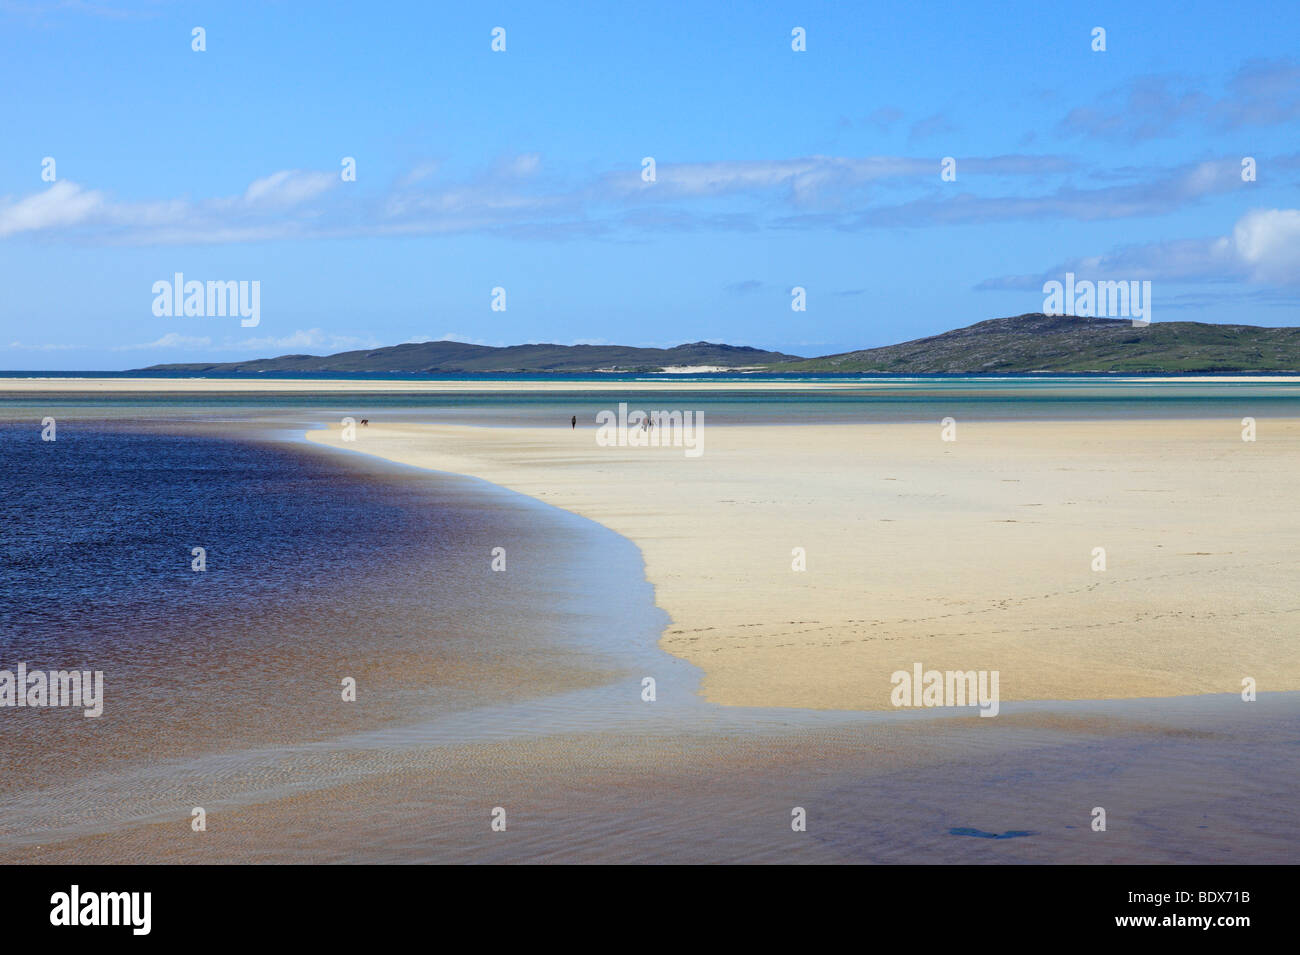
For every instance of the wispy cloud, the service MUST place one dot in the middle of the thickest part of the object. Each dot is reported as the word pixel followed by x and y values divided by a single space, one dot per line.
pixel 513 198
pixel 885 117
pixel 20 346
pixel 1148 107
pixel 931 126
pixel 806 178
pixel 172 340
pixel 314 340
pixel 1157 195
pixel 262 211
pixel 289 187
pixel 1260 93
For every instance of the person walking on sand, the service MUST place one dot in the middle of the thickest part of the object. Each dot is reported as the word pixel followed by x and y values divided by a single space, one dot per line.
pixel 573 422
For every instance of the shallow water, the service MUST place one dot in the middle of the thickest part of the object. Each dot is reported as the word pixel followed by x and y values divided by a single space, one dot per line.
pixel 316 570
pixel 892 399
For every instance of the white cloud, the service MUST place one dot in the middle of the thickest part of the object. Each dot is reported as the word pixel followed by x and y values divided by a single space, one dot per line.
pixel 1263 248
pixel 1267 241
pixel 260 213
pixel 20 346
pixel 170 340
pixel 289 187
pixel 801 176
pixel 418 173
pixel 523 165
pixel 63 204
pixel 313 338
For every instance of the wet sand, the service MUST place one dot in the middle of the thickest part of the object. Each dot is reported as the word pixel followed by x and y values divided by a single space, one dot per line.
pixel 1204 781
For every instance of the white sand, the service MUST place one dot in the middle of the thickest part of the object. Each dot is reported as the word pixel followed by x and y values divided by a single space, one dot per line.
pixel 974 554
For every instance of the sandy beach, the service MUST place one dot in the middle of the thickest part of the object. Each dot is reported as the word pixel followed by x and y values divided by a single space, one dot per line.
pixel 977 553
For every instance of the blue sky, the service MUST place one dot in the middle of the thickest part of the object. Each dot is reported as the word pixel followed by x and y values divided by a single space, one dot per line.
pixel 522 169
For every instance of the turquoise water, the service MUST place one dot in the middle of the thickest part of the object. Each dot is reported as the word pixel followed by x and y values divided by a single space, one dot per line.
pixel 908 400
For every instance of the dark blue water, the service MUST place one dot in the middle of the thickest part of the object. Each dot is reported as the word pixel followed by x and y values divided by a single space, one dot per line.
pixel 318 566
pixel 100 526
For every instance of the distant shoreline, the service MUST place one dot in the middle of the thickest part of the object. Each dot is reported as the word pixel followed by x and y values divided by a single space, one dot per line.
pixel 109 382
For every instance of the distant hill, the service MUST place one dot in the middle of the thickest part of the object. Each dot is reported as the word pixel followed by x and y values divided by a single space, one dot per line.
pixel 1025 343
pixel 458 357
pixel 1039 342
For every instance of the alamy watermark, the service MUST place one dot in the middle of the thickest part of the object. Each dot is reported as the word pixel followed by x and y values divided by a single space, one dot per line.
pixel 1087 299
pixel 215 299
pixel 54 688
pixel 651 429
pixel 129 909
pixel 923 687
